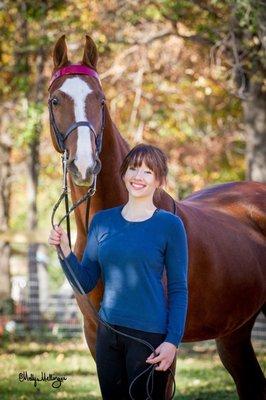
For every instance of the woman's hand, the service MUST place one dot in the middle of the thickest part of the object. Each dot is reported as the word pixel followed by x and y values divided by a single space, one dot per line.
pixel 167 352
pixel 59 237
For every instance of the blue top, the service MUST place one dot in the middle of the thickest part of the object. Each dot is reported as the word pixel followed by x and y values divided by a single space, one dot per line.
pixel 130 256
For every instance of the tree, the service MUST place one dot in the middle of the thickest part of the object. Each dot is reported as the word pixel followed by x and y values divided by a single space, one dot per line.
pixel 5 184
pixel 231 35
pixel 27 53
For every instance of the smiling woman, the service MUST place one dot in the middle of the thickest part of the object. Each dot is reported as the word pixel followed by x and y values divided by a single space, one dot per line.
pixel 131 246
pixel 144 170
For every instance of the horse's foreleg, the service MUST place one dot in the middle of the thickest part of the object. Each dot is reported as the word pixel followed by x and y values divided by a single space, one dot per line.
pixel 90 329
pixel 90 322
pixel 238 357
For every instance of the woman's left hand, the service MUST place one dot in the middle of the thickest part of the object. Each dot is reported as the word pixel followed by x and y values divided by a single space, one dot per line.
pixel 167 352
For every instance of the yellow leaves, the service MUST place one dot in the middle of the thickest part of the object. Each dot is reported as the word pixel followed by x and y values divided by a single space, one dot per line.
pixel 6 58
pixel 194 57
pixel 189 71
pixel 101 37
pixel 214 175
pixel 60 357
pixel 200 82
pixel 199 95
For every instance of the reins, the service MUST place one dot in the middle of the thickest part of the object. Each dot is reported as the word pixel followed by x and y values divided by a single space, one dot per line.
pixel 77 288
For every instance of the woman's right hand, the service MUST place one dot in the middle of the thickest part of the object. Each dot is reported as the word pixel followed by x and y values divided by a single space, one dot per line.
pixel 59 237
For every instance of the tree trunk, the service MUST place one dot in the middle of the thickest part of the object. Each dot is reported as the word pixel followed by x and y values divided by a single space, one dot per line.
pixel 32 181
pixel 5 173
pixel 33 165
pixel 32 66
pixel 255 120
pixel 33 168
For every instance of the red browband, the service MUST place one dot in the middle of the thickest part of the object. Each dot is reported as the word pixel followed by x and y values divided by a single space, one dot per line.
pixel 73 70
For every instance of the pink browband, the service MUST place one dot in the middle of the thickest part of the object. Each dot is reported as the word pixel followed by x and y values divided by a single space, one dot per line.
pixel 72 70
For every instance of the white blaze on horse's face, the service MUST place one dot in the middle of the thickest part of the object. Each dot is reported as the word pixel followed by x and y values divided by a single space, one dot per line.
pixel 78 90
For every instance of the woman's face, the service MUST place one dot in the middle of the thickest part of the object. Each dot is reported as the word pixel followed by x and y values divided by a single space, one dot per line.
pixel 140 181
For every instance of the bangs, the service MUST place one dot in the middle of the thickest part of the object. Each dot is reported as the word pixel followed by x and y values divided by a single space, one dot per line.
pixel 151 156
pixel 140 157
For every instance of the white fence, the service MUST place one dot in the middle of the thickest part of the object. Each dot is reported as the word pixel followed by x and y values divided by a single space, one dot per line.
pixel 55 314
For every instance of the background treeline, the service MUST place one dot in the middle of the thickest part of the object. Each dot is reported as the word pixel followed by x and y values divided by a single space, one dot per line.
pixel 188 76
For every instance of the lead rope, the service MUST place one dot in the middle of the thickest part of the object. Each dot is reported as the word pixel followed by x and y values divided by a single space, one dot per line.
pixel 64 166
pixel 78 289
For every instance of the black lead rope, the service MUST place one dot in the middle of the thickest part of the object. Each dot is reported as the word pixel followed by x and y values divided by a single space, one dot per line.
pixel 78 289
pixel 64 160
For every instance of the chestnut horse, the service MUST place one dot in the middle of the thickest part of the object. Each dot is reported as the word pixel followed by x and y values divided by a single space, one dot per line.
pixel 225 224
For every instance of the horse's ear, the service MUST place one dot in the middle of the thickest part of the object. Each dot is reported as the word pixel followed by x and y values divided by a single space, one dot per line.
pixel 60 53
pixel 90 55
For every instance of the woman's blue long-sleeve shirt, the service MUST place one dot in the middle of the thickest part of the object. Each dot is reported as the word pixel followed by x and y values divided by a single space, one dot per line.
pixel 130 257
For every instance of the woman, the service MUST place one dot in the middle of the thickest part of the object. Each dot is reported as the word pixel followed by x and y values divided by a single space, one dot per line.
pixel 129 246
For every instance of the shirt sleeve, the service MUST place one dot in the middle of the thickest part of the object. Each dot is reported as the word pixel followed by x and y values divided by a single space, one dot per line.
pixel 88 271
pixel 176 264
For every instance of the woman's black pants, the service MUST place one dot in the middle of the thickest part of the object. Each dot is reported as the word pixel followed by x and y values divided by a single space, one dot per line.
pixel 120 359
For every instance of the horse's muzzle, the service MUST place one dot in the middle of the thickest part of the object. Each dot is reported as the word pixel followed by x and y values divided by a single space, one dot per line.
pixel 90 173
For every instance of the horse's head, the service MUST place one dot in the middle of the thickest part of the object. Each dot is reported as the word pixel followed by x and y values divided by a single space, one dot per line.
pixel 76 106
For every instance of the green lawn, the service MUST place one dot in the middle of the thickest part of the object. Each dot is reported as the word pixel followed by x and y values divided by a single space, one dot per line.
pixel 199 375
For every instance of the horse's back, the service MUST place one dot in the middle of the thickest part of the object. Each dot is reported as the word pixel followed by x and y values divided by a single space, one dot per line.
pixel 245 201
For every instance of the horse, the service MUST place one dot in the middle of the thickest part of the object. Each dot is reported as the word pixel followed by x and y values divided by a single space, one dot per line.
pixel 225 225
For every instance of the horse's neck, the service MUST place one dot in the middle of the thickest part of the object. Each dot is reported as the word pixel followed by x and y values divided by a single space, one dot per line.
pixel 110 190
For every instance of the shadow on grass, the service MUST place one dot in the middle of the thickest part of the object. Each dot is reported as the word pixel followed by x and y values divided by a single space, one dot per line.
pixel 28 392
pixel 206 374
pixel 80 372
pixel 13 390
pixel 33 353
pixel 205 394
pixel 23 351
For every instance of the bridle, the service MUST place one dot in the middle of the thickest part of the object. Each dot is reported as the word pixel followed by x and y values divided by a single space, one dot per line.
pixel 60 140
pixel 60 136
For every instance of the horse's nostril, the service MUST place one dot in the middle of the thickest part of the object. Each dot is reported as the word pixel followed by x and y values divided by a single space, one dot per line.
pixel 94 170
pixel 73 168
pixel 71 160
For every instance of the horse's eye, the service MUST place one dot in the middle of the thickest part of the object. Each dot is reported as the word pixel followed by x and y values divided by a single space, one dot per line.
pixel 55 101
pixel 103 102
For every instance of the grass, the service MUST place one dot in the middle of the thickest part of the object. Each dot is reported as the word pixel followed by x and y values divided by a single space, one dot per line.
pixel 199 376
